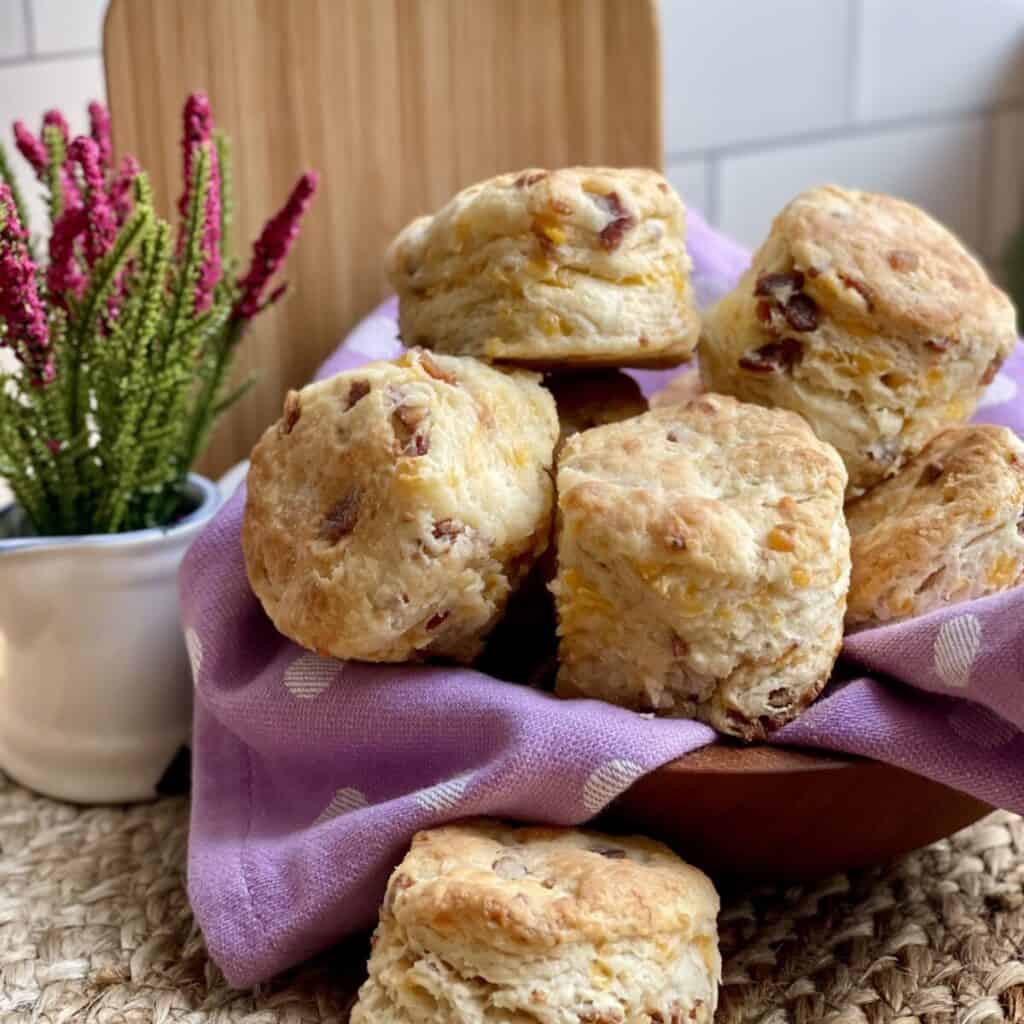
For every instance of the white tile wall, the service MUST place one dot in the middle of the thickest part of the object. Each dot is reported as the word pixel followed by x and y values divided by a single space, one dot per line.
pixel 737 70
pixel 63 25
pixel 1005 212
pixel 28 90
pixel 935 56
pixel 937 165
pixel 690 179
pixel 923 98
pixel 13 36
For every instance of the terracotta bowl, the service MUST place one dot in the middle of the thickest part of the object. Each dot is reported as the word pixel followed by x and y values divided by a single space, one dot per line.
pixel 764 812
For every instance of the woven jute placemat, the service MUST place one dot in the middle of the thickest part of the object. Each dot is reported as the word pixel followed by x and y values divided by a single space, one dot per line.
pixel 95 928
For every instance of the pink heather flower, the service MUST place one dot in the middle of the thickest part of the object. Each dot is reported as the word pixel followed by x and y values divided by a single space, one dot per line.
pixel 209 274
pixel 63 274
pixel 102 225
pixel 31 148
pixel 121 188
pixel 56 118
pixel 53 445
pixel 27 331
pixel 99 129
pixel 271 248
pixel 198 130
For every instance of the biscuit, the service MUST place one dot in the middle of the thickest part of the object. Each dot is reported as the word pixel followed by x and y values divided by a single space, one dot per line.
pixel 948 527
pixel 592 399
pixel 574 267
pixel 868 318
pixel 703 562
pixel 486 923
pixel 393 508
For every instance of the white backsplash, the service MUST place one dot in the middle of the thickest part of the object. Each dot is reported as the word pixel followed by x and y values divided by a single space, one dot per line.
pixel 922 98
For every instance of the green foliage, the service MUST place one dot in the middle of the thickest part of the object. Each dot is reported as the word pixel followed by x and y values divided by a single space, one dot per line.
pixel 140 376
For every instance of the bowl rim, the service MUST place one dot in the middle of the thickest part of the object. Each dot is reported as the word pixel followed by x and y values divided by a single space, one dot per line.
pixel 205 492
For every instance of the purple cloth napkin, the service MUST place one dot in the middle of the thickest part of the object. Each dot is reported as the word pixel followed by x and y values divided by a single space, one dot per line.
pixel 311 775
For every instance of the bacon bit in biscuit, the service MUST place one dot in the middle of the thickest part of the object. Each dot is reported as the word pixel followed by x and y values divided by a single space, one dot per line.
pixel 447 528
pixel 437 619
pixel 680 648
pixel 560 206
pixel 764 311
pixel 405 421
pixel 991 370
pixel 622 220
pixel 526 179
pixel 930 473
pixel 776 355
pixel 340 521
pixel 662 187
pixel 938 344
pixel 433 370
pixel 292 412
pixel 769 285
pixel 357 391
pixel 801 313
pixel 410 416
pixel 903 260
pixel 812 271
pixel 861 289
pixel 673 436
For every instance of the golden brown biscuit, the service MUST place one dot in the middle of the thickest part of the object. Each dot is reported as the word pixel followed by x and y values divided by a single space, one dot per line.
pixel 868 318
pixel 394 507
pixel 703 562
pixel 488 924
pixel 947 528
pixel 585 266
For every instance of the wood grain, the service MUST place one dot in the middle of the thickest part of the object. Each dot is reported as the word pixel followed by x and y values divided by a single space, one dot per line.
pixel 398 103
pixel 773 813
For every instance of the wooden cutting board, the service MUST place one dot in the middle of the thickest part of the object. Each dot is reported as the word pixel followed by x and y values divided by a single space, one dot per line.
pixel 398 104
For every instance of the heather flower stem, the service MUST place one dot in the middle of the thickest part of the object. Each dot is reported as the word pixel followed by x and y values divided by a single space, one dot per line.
pixel 227 208
pixel 208 405
pixel 56 153
pixel 102 282
pixel 126 451
pixel 180 346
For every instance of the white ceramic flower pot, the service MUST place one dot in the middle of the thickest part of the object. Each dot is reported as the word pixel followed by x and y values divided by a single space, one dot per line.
pixel 95 685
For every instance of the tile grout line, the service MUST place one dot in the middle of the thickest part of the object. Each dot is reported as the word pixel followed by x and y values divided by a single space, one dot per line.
pixel 30 27
pixel 860 130
pixel 45 58
pixel 712 191
pixel 854 71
